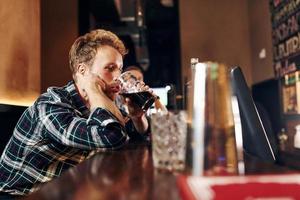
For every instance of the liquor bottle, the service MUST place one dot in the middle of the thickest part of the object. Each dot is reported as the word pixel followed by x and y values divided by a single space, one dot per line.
pixel 282 138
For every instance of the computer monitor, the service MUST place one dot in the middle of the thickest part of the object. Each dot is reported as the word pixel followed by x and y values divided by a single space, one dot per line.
pixel 255 137
pixel 162 92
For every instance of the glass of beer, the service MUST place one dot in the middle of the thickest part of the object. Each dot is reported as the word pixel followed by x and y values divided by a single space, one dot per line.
pixel 136 90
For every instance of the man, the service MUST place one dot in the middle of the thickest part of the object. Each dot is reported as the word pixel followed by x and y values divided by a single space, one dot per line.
pixel 69 124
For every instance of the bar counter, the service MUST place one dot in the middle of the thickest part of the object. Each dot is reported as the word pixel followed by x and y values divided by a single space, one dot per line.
pixel 127 173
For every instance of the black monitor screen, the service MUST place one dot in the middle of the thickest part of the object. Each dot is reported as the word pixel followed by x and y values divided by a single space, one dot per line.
pixel 255 139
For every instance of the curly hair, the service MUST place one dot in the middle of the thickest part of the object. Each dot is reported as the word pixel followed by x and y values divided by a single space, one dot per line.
pixel 85 47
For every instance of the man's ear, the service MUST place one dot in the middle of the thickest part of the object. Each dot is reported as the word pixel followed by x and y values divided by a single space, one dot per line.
pixel 82 68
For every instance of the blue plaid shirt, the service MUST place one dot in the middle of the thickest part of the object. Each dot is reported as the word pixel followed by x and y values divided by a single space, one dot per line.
pixel 55 133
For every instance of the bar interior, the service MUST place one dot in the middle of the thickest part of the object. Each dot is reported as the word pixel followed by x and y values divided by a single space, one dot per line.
pixel 224 118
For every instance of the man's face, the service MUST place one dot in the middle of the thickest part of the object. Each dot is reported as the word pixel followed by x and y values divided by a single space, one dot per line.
pixel 108 65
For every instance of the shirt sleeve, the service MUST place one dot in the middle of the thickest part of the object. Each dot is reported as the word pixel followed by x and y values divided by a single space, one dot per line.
pixel 100 130
pixel 134 134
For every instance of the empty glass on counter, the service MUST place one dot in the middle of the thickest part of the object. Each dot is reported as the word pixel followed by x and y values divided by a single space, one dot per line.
pixel 135 90
pixel 168 131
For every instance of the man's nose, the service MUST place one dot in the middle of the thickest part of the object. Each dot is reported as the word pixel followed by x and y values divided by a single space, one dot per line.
pixel 116 74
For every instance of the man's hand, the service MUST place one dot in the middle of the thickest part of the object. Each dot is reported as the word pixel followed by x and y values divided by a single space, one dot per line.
pixel 133 110
pixel 137 116
pixel 91 83
pixel 136 113
pixel 94 89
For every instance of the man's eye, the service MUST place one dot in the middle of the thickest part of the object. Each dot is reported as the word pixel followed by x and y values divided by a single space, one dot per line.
pixel 110 68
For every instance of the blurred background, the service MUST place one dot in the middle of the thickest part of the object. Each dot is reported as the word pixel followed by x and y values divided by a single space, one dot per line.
pixel 161 35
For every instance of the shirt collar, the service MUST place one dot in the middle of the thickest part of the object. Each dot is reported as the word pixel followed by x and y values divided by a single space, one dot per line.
pixel 76 99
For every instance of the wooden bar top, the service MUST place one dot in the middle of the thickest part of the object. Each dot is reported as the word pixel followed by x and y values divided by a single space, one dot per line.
pixel 125 174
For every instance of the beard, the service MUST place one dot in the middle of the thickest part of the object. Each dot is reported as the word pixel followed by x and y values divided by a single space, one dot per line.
pixel 112 96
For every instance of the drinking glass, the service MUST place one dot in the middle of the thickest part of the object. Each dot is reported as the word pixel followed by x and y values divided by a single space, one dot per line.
pixel 134 89
pixel 168 131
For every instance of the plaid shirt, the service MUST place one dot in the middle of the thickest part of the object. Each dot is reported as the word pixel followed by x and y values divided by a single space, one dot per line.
pixel 55 133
